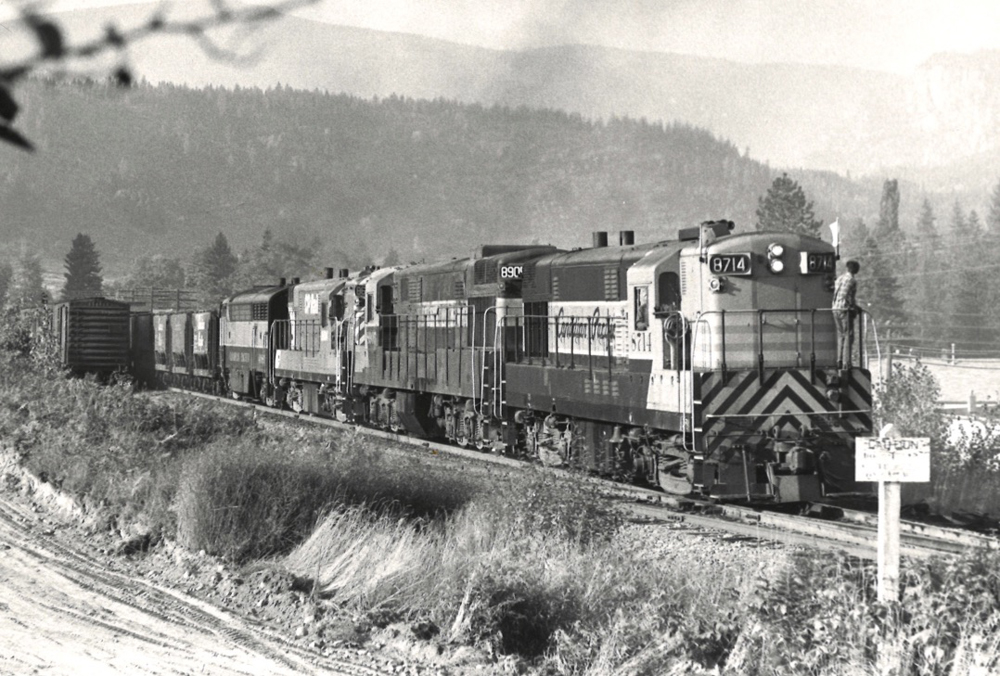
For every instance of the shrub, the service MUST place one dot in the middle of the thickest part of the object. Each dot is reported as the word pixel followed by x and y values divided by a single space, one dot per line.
pixel 908 398
pixel 822 618
pixel 249 499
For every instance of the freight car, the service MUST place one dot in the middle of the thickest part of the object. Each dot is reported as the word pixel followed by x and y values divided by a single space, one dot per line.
pixel 186 350
pixel 93 336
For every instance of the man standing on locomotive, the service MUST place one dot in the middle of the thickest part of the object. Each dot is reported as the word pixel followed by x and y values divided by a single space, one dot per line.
pixel 844 311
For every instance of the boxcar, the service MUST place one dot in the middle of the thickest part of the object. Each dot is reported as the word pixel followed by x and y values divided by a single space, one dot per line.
pixel 93 335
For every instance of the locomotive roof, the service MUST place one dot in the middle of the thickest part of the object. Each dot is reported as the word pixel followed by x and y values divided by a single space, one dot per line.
pixel 321 285
pixel 498 253
pixel 606 255
pixel 793 238
pixel 258 294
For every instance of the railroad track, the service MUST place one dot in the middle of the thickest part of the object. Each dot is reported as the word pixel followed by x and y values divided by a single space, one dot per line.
pixel 834 527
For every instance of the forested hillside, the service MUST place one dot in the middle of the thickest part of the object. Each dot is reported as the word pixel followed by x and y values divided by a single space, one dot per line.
pixel 165 168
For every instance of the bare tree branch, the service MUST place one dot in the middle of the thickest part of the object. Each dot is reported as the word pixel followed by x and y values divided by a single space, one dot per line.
pixel 52 47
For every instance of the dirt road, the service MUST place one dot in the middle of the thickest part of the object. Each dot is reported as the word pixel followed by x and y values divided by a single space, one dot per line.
pixel 63 612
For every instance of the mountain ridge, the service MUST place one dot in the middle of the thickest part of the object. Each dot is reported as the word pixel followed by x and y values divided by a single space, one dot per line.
pixel 822 117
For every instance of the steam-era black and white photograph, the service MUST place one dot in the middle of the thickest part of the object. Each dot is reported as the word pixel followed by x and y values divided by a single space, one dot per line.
pixel 510 337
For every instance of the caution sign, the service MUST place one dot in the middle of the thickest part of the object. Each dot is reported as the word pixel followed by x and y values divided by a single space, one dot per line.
pixel 893 459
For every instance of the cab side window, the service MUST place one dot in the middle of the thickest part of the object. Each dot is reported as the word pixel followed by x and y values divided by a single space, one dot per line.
pixel 641 308
pixel 669 288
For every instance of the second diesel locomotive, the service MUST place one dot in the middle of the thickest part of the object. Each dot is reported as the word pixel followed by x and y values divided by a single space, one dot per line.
pixel 703 364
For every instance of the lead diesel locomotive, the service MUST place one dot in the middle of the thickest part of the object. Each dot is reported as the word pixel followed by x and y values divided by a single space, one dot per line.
pixel 705 364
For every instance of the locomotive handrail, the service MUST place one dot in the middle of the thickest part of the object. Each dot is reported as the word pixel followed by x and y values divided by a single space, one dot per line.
pixel 857 321
pixel 298 335
pixel 537 331
pixel 878 348
pixel 416 335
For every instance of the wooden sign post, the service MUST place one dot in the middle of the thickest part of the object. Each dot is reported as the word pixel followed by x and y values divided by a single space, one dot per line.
pixel 889 460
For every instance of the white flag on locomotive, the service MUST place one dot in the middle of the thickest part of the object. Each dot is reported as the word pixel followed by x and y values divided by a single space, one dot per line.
pixel 835 234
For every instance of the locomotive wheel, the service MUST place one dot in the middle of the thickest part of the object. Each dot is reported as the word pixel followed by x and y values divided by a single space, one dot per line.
pixel 550 458
pixel 674 484
pixel 673 478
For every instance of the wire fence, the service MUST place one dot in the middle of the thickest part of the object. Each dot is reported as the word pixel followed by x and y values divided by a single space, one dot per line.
pixel 969 380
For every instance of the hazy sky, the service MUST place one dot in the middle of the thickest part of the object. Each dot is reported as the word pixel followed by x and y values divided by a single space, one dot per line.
pixel 879 34
pixel 883 34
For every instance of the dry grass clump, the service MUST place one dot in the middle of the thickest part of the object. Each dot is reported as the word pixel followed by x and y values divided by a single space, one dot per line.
pixel 263 494
pixel 529 567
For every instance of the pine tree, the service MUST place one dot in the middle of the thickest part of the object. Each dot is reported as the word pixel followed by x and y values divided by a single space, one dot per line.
pixel 888 213
pixel 29 288
pixel 965 292
pixel 925 298
pixel 219 260
pixel 993 217
pixel 991 247
pixel 212 271
pixel 6 279
pixel 83 270
pixel 784 208
pixel 886 248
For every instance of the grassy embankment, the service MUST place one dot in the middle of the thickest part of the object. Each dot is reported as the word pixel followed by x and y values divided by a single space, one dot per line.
pixel 527 567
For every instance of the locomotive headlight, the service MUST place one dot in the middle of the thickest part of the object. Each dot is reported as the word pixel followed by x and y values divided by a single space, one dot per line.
pixel 775 251
pixel 775 265
pixel 717 284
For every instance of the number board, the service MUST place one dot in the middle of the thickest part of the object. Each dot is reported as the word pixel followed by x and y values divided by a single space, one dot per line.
pixel 817 263
pixel 730 264
pixel 511 271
